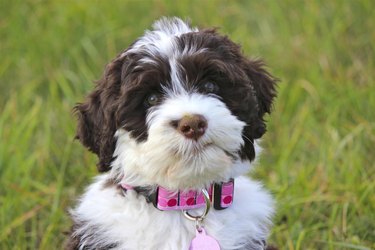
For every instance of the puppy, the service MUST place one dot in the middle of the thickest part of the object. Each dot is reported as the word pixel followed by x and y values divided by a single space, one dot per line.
pixel 174 122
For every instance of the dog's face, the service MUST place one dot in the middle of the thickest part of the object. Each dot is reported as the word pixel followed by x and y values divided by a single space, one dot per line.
pixel 179 108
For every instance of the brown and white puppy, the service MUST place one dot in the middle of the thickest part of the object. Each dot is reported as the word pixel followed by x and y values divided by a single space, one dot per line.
pixel 181 108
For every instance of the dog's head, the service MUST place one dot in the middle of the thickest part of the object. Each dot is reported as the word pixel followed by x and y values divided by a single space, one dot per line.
pixel 181 107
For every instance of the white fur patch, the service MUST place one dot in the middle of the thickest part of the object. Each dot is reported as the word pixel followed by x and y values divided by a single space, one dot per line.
pixel 134 224
pixel 161 40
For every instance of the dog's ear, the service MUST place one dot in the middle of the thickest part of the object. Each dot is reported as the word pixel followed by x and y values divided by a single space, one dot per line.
pixel 264 86
pixel 96 123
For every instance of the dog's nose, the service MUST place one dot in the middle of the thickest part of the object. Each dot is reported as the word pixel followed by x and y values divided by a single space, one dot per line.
pixel 191 126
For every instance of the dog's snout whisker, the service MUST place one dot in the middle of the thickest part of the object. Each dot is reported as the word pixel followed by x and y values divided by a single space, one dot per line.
pixel 247 138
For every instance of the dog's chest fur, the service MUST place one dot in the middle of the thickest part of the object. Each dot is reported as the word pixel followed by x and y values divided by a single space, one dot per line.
pixel 106 218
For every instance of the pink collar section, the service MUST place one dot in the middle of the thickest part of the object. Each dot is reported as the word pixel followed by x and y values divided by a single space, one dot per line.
pixel 221 196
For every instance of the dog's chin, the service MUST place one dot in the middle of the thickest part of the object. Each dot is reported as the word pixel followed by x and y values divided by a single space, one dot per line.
pixel 192 165
pixel 193 149
pixel 197 169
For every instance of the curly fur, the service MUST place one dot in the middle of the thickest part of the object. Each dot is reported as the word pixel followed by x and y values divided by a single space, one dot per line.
pixel 137 145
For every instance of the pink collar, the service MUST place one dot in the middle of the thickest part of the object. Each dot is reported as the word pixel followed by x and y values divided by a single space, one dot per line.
pixel 221 196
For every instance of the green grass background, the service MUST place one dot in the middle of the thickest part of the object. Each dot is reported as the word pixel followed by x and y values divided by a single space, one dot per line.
pixel 319 152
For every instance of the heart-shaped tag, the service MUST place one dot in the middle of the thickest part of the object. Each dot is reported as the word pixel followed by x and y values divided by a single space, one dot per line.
pixel 203 242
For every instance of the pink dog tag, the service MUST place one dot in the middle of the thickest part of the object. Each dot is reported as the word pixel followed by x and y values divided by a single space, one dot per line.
pixel 203 242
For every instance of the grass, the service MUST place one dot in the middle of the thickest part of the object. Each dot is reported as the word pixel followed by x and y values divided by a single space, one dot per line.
pixel 319 151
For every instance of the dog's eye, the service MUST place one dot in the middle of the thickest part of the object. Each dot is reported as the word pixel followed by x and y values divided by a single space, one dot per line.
pixel 152 100
pixel 210 87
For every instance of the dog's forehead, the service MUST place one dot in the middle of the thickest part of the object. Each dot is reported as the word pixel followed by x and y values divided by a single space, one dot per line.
pixel 162 40
pixel 178 57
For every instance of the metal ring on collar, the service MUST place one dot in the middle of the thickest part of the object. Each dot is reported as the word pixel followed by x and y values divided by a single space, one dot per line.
pixel 205 212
